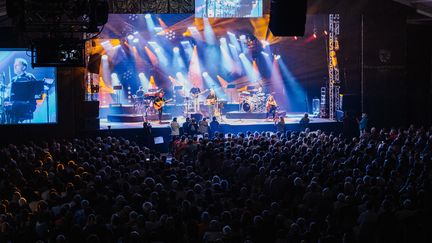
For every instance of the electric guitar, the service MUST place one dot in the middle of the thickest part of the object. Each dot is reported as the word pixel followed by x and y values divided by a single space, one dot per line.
pixel 194 96
pixel 211 101
pixel 160 104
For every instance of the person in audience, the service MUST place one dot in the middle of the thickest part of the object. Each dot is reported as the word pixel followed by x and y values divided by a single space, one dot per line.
pixel 175 132
pixel 305 119
pixel 203 126
pixel 147 134
pixel 363 124
pixel 186 126
pixel 175 128
pixel 350 125
pixel 280 125
pixel 309 186
pixel 193 127
pixel 214 126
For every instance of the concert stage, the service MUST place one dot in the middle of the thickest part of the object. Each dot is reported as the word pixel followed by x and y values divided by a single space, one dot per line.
pixel 232 58
pixel 229 125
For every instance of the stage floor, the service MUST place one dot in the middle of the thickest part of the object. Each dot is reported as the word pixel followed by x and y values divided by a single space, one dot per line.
pixel 290 119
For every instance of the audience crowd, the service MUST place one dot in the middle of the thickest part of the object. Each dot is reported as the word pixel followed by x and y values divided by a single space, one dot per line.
pixel 289 186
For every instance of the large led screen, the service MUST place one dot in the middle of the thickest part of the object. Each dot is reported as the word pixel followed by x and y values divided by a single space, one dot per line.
pixel 228 8
pixel 27 95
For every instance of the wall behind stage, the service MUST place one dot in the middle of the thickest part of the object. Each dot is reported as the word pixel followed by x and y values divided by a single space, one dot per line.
pixel 397 60
pixel 70 92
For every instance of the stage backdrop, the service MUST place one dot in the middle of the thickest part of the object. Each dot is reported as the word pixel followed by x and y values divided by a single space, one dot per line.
pixel 180 50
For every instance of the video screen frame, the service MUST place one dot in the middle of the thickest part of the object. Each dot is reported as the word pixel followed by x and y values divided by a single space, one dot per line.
pixel 229 8
pixel 20 109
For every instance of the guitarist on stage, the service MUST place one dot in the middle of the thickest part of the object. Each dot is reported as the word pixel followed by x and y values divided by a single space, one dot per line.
pixel 158 104
pixel 211 102
pixel 195 92
pixel 271 107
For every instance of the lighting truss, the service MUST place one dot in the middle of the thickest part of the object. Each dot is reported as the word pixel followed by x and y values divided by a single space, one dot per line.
pixel 333 67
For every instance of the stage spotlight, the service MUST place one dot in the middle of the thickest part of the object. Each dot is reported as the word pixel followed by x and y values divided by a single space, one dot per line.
pixel 242 55
pixel 158 29
pixel 176 49
pixel 136 40
pixel 205 74
pixel 265 54
pixel 104 57
pixel 105 43
pixel 277 57
pixel 243 37
pixel 133 17
pixel 315 33
pixel 114 76
pixel 223 40
pixel 229 33
pixel 170 35
pixel 130 37
pixel 141 75
pixel 147 16
pixel 295 38
pixel 192 28
pixel 265 43
pixel 325 32
pixel 157 49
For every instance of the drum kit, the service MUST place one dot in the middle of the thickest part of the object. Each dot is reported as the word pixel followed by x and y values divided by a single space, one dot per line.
pixel 143 104
pixel 253 101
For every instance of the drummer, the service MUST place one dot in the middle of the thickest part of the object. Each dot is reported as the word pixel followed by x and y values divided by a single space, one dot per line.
pixel 140 92
pixel 260 91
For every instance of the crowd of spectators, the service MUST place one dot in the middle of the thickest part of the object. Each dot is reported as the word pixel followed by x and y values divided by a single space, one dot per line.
pixel 295 187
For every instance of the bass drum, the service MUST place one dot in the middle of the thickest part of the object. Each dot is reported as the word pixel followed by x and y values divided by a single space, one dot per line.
pixel 248 106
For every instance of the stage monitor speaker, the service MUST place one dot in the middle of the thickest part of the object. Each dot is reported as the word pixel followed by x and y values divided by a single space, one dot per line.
pixel 94 63
pixel 288 17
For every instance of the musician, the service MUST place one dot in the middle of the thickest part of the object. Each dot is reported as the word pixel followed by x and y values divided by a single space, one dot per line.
pixel 20 67
pixel 140 92
pixel 271 106
pixel 160 100
pixel 260 91
pixel 211 102
pixel 195 92
pixel 22 110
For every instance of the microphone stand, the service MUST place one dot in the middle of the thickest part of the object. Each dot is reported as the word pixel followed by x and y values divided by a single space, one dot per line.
pixel 47 87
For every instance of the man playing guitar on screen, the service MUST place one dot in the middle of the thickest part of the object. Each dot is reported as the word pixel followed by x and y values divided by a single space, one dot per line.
pixel 159 103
